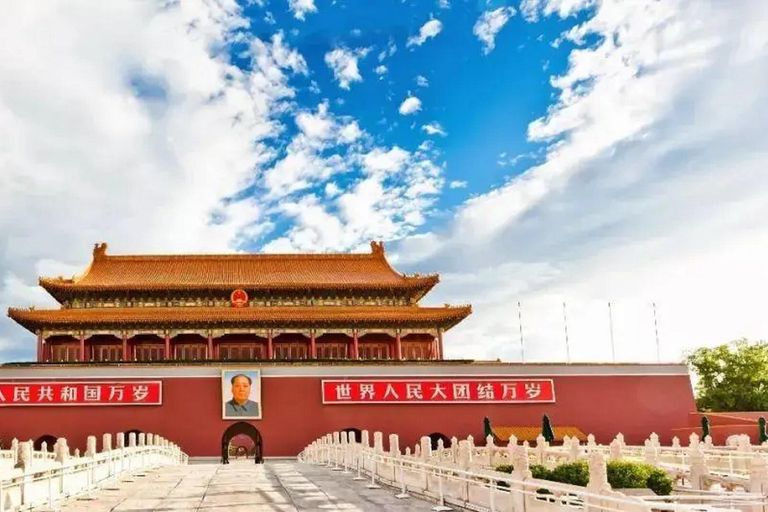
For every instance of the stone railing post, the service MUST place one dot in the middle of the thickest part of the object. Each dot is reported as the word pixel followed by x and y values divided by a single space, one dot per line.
pixel 708 442
pixel 62 450
pixel 378 442
pixel 90 446
pixel 698 467
pixel 394 446
pixel 426 448
pixel 365 439
pixel 620 439
pixel 25 451
pixel 575 449
pixel 490 450
pixel 654 439
pixel 455 450
pixel 520 472
pixel 616 449
pixel 650 453
pixel 675 442
pixel 43 449
pixel 15 450
pixel 541 449
pixel 142 439
pixel 591 444
pixel 758 476
pixel 106 442
pixel 693 440
pixel 417 451
pixel 471 442
pixel 598 474
pixel 120 440
pixel 132 440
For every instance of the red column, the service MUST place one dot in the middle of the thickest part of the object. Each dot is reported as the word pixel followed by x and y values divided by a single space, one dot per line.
pixel 210 345
pixel 355 345
pixel 270 351
pixel 82 346
pixel 40 354
pixel 167 346
pixel 398 347
pixel 440 344
pixel 312 345
pixel 126 356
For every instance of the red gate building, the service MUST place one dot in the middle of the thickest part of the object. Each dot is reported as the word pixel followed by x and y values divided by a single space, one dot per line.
pixel 294 346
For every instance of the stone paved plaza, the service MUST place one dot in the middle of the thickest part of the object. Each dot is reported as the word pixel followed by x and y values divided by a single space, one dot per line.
pixel 241 486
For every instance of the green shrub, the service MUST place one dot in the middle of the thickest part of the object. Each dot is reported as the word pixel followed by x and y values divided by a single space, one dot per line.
pixel 574 473
pixel 659 482
pixel 505 468
pixel 627 475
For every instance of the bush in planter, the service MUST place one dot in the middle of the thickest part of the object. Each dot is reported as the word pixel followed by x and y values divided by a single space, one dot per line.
pixel 633 475
pixel 574 473
pixel 659 482
pixel 627 475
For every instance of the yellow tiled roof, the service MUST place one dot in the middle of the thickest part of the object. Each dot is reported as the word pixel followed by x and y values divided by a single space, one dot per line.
pixel 531 433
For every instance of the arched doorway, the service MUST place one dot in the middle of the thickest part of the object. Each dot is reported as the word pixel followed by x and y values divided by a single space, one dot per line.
pixel 233 440
pixel 126 435
pixel 49 441
pixel 356 432
pixel 435 436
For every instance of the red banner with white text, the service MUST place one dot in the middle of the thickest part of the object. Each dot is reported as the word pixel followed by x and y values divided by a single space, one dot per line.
pixel 81 393
pixel 434 391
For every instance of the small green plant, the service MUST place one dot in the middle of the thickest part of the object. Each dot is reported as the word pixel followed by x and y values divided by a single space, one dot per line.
pixel 762 436
pixel 659 482
pixel 504 468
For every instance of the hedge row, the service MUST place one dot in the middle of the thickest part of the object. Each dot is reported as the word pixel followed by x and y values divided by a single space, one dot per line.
pixel 621 475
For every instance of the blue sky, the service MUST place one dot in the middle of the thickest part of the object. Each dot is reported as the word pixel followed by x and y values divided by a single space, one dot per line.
pixel 554 151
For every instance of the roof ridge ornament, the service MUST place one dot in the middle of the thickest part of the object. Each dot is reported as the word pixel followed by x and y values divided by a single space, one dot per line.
pixel 377 247
pixel 99 251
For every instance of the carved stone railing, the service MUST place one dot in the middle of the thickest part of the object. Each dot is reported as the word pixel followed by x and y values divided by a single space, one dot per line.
pixel 30 478
pixel 456 480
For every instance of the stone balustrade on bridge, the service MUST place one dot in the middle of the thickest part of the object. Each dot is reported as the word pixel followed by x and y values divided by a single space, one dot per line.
pixel 32 478
pixel 463 474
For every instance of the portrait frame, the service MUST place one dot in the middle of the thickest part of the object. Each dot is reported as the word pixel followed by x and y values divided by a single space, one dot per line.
pixel 254 374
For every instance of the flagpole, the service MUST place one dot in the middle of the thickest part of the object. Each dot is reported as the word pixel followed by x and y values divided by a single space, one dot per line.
pixel 567 345
pixel 610 323
pixel 656 328
pixel 520 323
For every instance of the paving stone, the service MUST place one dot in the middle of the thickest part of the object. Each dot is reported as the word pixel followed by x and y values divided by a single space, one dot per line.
pixel 242 486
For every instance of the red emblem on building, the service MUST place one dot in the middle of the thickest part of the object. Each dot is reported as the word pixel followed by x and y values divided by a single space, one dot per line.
pixel 239 298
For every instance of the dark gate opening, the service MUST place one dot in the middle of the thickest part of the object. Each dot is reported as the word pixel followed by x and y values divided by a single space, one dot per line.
pixel 357 434
pixel 49 441
pixel 253 448
pixel 437 436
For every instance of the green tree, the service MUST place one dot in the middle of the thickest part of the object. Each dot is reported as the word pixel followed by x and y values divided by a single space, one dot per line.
pixel 731 377
pixel 546 429
pixel 762 436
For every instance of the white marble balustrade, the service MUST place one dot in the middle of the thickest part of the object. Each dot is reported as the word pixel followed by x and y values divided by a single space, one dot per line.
pixel 462 475
pixel 30 478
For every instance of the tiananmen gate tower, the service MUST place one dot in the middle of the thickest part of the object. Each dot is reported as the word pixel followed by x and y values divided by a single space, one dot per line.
pixel 278 349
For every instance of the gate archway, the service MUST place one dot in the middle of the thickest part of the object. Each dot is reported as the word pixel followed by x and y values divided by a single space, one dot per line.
pixel 49 441
pixel 238 429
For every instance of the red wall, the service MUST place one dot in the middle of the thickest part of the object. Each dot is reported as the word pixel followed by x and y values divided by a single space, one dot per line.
pixel 293 414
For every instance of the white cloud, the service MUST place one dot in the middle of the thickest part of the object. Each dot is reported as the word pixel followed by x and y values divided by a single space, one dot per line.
pixel 444 4
pixel 653 190
pixel 489 24
pixel 410 105
pixel 434 129
pixel 381 70
pixel 427 31
pixel 457 184
pixel 301 8
pixel 422 81
pixel 343 63
pixel 139 138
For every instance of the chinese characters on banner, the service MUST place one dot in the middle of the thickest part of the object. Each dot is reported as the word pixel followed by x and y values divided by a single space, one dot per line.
pixel 81 393
pixel 438 391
